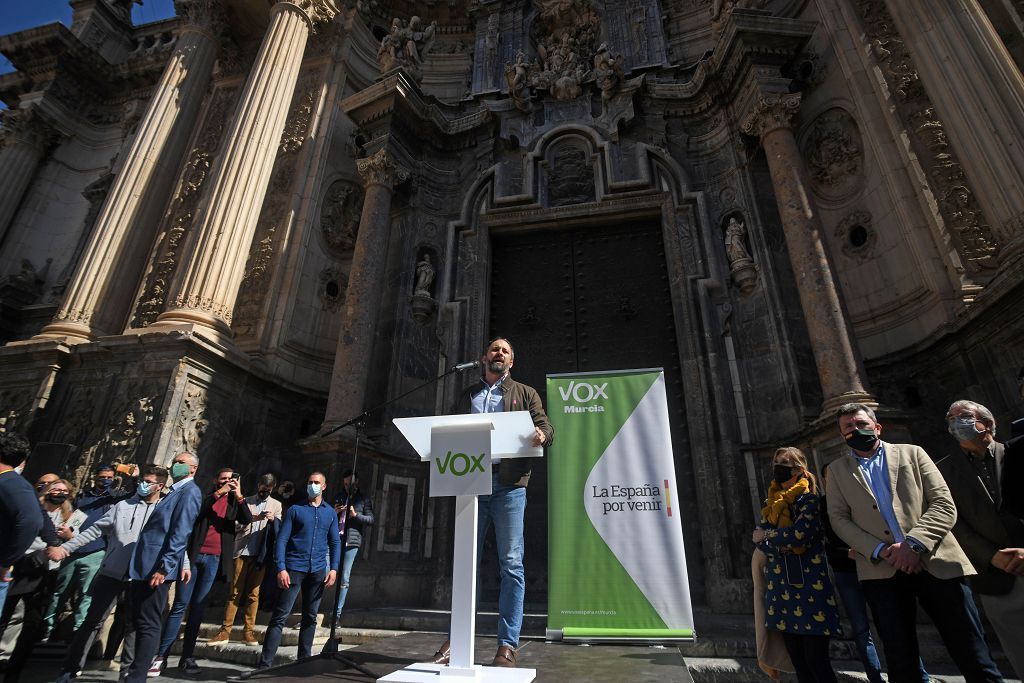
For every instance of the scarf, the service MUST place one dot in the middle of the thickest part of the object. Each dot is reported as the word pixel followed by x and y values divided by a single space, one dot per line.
pixel 777 510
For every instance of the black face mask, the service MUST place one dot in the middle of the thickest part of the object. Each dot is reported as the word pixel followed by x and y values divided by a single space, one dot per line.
pixel 862 440
pixel 782 473
pixel 263 494
pixel 56 498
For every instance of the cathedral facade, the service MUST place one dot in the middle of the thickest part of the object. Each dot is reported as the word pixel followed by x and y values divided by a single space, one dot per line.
pixel 235 230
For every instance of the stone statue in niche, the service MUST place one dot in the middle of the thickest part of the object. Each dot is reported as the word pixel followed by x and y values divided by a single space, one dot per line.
pixel 405 46
pixel 491 42
pixel 741 265
pixel 424 276
pixel 422 301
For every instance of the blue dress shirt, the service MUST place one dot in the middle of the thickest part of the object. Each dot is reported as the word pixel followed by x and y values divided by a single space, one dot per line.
pixel 307 534
pixel 491 398
pixel 876 471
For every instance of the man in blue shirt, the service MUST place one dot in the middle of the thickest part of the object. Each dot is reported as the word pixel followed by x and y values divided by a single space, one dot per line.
pixel 890 504
pixel 309 533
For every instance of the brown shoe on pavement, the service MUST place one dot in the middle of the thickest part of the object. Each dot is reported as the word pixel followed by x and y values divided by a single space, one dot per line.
pixel 222 636
pixel 506 657
pixel 443 654
pixel 250 638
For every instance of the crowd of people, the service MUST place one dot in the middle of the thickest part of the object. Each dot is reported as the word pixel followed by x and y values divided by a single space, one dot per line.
pixel 898 532
pixel 123 549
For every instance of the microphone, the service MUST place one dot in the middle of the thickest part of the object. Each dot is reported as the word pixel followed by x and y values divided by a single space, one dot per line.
pixel 467 366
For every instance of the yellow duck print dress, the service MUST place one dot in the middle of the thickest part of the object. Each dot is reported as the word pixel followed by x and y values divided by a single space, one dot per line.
pixel 799 598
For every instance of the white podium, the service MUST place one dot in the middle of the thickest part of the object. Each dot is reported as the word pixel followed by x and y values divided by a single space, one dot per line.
pixel 460 450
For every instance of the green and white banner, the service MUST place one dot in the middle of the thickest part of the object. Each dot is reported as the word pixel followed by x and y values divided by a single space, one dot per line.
pixel 617 567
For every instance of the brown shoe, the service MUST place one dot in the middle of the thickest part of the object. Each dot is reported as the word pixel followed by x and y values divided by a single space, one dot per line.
pixel 250 638
pixel 505 657
pixel 443 654
pixel 222 636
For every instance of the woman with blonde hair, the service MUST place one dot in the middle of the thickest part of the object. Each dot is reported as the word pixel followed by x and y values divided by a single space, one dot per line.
pixel 799 600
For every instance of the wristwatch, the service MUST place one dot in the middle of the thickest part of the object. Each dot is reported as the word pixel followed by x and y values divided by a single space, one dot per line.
pixel 916 545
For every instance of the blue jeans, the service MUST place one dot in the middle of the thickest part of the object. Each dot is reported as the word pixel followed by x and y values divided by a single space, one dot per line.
pixel 194 593
pixel 4 585
pixel 951 606
pixel 347 560
pixel 505 508
pixel 312 586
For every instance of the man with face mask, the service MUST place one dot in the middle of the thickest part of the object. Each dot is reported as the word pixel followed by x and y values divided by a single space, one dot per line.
pixel 18 508
pixel 890 504
pixel 120 529
pixel 77 572
pixel 989 527
pixel 157 560
pixel 306 556
pixel 254 547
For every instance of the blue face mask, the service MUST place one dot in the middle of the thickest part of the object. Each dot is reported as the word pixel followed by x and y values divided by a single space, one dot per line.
pixel 313 490
pixel 965 428
pixel 144 489
pixel 104 483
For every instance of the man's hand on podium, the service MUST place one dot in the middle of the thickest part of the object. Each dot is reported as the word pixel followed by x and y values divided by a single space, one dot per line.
pixel 538 437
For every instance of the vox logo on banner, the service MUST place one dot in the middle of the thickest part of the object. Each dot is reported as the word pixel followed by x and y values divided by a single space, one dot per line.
pixel 460 461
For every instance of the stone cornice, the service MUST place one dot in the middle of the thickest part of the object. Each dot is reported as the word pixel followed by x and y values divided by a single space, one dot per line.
pixel 753 44
pixel 769 112
pixel 381 169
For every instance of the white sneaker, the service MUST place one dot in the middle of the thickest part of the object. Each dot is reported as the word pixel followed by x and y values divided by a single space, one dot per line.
pixel 156 668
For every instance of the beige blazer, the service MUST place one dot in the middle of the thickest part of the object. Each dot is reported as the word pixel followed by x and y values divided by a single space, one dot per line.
pixel 921 502
pixel 259 527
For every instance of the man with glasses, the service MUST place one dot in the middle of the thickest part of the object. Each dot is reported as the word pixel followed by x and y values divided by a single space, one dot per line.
pixel 306 557
pixel 120 527
pixel 157 560
pixel 986 484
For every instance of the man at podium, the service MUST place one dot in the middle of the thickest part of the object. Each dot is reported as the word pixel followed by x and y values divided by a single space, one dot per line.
pixel 497 392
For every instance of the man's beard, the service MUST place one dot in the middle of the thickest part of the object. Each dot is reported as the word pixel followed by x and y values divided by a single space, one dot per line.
pixel 498 367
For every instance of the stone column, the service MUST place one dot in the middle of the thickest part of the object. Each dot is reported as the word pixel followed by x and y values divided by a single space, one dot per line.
pixel 839 366
pixel 978 92
pixel 213 263
pixel 108 262
pixel 365 284
pixel 25 139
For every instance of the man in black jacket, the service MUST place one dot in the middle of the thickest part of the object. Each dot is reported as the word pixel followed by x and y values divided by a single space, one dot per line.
pixel 986 480
pixel 355 511
pixel 505 508
pixel 211 552
pixel 18 508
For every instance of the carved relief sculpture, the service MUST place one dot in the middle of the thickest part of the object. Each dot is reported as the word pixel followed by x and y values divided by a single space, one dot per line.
pixel 422 301
pixel 339 216
pixel 607 73
pixel 833 150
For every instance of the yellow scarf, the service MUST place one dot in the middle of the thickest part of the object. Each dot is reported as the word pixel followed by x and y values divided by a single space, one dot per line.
pixel 777 508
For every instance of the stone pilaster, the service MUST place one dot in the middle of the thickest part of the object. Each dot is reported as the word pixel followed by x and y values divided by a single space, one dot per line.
pixel 839 367
pixel 25 138
pixel 365 284
pixel 978 92
pixel 213 265
pixel 169 118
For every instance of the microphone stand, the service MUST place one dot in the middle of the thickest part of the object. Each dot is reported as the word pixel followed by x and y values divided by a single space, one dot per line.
pixel 330 648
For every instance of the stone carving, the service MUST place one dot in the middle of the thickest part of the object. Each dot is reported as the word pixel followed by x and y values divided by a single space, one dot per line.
pixel 607 72
pixel 571 179
pixel 381 169
pixel 775 110
pixel 833 149
pixel 15 405
pixel 405 46
pixel 318 11
pixel 638 32
pixel 492 41
pixel 27 127
pixel 178 219
pixel 333 283
pixel 856 236
pixel 202 14
pixel 422 301
pixel 972 234
pixel 191 424
pixel 741 266
pixel 125 428
pixel 721 10
pixel 339 216
pixel 424 276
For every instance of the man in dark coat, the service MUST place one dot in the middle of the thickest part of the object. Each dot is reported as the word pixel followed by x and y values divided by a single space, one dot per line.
pixel 986 480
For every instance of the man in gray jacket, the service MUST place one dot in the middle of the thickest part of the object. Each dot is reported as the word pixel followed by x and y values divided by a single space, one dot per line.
pixel 121 526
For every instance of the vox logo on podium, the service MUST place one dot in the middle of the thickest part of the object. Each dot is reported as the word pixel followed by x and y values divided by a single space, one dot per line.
pixel 460 464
